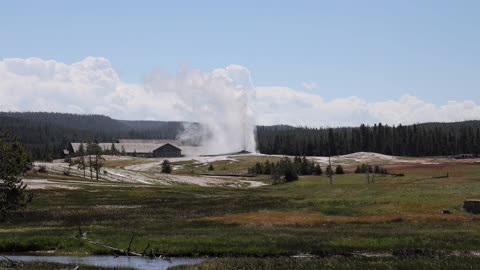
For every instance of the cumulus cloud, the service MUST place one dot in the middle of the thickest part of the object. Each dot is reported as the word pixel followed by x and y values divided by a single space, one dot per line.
pixel 289 106
pixel 93 86
pixel 88 86
pixel 310 85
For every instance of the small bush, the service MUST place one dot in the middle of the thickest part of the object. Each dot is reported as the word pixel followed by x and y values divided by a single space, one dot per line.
pixel 42 169
pixel 166 166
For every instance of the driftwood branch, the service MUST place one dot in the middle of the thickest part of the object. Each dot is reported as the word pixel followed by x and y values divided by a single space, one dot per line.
pixel 130 244
pixel 117 251
pixel 145 250
pixel 12 263
pixel 82 235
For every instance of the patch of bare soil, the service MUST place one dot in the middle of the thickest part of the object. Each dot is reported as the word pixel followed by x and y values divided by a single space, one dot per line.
pixel 46 184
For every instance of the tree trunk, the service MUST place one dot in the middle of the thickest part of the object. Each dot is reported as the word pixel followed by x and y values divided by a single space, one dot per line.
pixel 90 165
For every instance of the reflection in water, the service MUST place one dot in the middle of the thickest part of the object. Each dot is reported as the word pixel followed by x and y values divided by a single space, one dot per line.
pixel 110 261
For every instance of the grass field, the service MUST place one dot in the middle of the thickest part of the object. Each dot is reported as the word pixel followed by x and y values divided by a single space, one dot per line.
pixel 48 266
pixel 417 263
pixel 399 215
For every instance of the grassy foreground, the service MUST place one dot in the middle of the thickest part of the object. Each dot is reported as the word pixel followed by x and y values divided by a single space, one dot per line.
pixel 399 215
pixel 417 263
pixel 48 266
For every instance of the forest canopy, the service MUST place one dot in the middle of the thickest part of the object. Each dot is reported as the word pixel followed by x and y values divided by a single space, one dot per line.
pixel 45 135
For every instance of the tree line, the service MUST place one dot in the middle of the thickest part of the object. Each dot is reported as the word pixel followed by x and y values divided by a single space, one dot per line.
pixel 45 135
pixel 430 139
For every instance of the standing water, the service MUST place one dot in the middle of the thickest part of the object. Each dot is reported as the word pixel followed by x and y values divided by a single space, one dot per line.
pixel 109 261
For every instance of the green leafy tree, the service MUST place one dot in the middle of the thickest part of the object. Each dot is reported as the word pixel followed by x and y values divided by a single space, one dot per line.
pixel 14 162
pixel 210 168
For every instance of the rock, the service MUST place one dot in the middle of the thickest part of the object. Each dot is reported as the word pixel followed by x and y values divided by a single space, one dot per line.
pixel 446 212
pixel 472 206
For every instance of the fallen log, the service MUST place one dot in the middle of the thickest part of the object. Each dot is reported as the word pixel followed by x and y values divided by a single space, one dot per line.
pixel 117 251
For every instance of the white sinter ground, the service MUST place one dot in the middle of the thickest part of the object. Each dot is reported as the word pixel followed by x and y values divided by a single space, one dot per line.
pixel 149 173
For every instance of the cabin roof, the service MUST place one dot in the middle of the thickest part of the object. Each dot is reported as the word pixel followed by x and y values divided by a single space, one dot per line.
pixel 141 148
pixel 172 142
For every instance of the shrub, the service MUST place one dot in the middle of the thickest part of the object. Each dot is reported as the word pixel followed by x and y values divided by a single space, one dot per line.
pixel 166 167
pixel 339 170
pixel 318 170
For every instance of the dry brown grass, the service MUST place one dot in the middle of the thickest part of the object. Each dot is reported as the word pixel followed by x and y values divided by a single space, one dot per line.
pixel 309 218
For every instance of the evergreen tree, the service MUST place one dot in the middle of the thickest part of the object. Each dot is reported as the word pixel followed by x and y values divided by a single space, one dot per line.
pixel 318 170
pixel 14 161
pixel 288 169
pixel 113 150
pixel 267 168
pixel 339 170
pixel 258 168
pixel 166 167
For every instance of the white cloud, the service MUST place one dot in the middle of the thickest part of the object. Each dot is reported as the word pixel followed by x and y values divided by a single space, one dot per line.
pixel 289 106
pixel 310 85
pixel 89 86
pixel 93 86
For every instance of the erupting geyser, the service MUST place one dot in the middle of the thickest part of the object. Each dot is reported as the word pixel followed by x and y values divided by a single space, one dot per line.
pixel 220 101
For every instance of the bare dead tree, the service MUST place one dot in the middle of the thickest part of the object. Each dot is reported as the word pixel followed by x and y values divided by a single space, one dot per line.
pixel 130 244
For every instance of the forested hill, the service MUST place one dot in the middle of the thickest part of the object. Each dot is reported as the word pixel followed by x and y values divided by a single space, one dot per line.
pixel 45 135
pixel 429 139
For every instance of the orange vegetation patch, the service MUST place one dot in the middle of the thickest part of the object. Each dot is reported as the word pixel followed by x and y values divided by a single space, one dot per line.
pixel 309 218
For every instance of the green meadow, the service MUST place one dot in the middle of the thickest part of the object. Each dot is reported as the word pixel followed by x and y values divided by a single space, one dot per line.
pixel 395 215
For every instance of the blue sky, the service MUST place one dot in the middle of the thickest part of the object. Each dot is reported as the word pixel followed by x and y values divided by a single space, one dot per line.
pixel 420 55
pixel 373 49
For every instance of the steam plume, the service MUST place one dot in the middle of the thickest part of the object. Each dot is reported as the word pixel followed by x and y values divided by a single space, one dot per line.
pixel 221 101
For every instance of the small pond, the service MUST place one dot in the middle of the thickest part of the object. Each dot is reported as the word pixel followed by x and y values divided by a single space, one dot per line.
pixel 110 261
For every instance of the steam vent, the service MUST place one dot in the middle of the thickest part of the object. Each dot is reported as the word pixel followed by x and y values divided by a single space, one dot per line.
pixel 472 206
